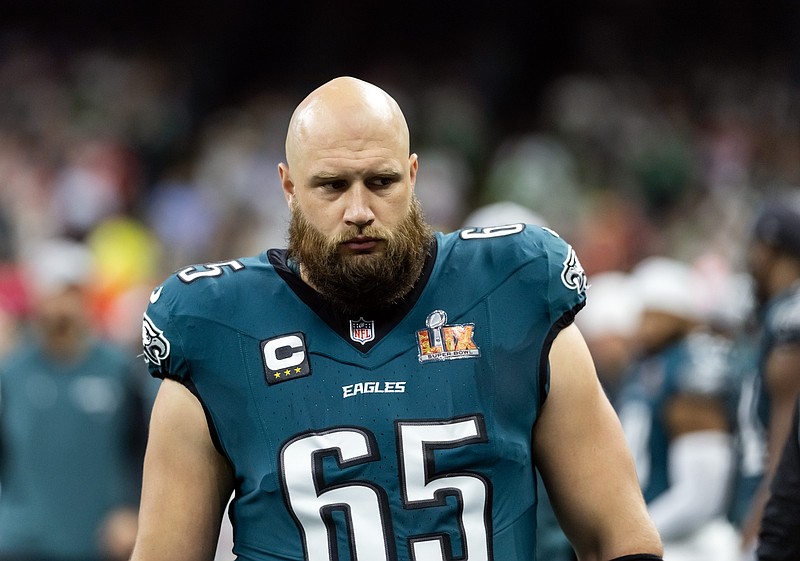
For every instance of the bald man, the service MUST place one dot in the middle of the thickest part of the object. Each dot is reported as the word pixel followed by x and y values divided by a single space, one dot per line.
pixel 377 391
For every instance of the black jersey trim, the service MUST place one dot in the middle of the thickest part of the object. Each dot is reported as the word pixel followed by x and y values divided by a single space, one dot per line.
pixel 212 429
pixel 544 359
pixel 385 319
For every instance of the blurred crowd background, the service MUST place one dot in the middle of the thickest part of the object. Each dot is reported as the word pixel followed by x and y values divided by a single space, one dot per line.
pixel 152 132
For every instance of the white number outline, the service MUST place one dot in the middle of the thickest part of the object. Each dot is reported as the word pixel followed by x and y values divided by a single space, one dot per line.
pixel 307 497
pixel 312 502
pixel 491 232
pixel 423 487
pixel 192 273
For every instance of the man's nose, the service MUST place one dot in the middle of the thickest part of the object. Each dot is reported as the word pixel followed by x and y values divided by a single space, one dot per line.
pixel 358 211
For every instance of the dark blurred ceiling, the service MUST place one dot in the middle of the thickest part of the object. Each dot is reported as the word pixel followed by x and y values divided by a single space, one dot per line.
pixel 510 50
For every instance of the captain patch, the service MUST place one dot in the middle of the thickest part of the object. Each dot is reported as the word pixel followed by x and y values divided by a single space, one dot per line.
pixel 285 358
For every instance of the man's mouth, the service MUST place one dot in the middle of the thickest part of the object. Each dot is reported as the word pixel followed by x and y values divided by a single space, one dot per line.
pixel 361 244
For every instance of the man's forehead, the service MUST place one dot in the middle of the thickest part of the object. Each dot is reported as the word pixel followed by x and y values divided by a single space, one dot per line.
pixel 336 148
pixel 340 166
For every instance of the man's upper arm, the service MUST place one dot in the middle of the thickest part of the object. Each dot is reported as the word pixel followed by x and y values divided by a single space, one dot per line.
pixel 186 482
pixel 585 463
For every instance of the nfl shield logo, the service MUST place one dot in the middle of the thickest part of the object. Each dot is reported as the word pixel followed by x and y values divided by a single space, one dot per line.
pixel 362 330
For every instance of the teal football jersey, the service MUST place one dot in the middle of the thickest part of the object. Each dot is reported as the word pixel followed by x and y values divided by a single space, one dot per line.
pixel 395 436
pixel 780 325
pixel 698 364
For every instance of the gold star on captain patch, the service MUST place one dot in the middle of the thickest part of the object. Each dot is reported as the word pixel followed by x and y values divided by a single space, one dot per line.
pixel 287 371
pixel 277 374
pixel 297 370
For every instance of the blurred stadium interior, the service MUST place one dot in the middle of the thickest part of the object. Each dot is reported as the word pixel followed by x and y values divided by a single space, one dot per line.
pixel 632 128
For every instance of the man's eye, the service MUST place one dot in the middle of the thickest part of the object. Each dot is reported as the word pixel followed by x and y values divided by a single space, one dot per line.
pixel 382 181
pixel 334 185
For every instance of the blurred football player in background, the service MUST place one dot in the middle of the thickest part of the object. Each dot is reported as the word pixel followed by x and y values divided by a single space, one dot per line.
pixel 675 405
pixel 72 424
pixel 774 263
pixel 609 323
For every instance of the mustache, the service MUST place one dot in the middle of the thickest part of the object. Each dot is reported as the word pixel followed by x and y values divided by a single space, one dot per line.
pixel 367 231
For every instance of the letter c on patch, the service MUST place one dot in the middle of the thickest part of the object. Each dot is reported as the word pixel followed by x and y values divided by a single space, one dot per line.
pixel 285 357
pixel 284 352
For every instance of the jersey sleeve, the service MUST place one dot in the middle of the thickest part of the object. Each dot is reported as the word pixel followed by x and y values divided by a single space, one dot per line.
pixel 161 337
pixel 784 322
pixel 566 279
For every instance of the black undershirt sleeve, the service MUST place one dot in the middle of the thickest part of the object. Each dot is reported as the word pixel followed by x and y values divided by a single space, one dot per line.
pixel 779 538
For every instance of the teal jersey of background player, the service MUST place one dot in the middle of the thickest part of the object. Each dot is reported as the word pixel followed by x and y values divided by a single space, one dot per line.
pixel 698 364
pixel 780 325
pixel 399 435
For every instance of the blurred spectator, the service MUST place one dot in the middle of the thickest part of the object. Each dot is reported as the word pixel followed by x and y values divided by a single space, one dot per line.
pixel 500 214
pixel 609 322
pixel 614 233
pixel 676 410
pixel 442 188
pixel 97 181
pixel 774 262
pixel 731 315
pixel 239 150
pixel 127 259
pixel 72 422
pixel 183 217
pixel 528 170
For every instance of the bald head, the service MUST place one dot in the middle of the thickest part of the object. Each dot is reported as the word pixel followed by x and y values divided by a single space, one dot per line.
pixel 345 110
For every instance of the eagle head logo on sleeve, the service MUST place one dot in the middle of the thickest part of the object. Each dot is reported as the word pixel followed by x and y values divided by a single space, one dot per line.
pixel 154 344
pixel 572 275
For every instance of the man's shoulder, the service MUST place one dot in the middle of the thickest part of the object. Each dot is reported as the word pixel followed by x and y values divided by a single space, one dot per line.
pixel 505 250
pixel 529 263
pixel 519 243
pixel 201 288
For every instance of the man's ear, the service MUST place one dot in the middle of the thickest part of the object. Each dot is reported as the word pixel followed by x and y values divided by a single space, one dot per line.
pixel 413 165
pixel 286 183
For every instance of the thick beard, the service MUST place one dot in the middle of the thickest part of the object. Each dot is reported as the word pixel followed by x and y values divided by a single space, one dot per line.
pixel 360 282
